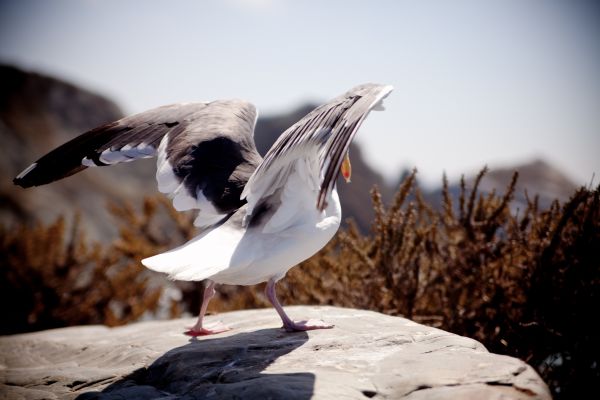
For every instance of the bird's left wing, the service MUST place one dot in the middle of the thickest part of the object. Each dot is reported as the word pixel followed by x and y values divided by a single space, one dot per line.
pixel 128 139
pixel 320 140
pixel 205 152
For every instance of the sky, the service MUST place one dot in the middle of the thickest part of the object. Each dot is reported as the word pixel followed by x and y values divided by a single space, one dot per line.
pixel 476 82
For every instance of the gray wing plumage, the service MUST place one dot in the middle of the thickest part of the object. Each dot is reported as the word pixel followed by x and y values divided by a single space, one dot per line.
pixel 331 128
pixel 208 146
pixel 207 158
pixel 207 167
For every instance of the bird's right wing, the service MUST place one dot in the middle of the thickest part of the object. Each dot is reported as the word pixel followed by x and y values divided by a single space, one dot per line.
pixel 313 150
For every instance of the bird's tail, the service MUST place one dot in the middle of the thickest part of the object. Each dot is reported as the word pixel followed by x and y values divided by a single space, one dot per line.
pixel 200 258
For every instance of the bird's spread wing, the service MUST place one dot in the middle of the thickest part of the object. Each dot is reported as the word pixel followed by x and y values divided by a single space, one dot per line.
pixel 206 153
pixel 313 149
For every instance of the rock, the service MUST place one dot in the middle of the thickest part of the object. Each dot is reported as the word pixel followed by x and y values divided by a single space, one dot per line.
pixel 366 355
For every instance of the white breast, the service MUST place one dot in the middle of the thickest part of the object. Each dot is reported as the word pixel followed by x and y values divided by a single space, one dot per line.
pixel 272 254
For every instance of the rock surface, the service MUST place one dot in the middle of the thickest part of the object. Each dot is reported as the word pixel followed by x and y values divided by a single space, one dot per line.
pixel 366 355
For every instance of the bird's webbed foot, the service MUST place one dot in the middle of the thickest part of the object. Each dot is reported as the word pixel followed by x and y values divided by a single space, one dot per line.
pixel 306 325
pixel 207 329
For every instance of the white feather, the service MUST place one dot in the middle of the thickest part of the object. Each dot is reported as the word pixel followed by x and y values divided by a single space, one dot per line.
pixel 298 196
pixel 88 162
pixel 208 214
pixel 126 154
pixel 378 103
pixel 263 184
pixel 144 150
pixel 182 201
pixel 200 258
pixel 109 156
pixel 165 178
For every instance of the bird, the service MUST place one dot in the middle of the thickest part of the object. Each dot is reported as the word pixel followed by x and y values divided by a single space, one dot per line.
pixel 257 217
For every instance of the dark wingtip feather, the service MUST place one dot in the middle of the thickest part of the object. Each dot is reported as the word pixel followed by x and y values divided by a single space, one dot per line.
pixel 64 160
pixel 21 179
pixel 39 173
pixel 19 182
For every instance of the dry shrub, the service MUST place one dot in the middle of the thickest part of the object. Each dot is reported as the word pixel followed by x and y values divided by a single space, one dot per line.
pixel 157 228
pixel 50 276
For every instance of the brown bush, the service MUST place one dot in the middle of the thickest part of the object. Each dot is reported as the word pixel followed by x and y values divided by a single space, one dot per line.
pixel 52 277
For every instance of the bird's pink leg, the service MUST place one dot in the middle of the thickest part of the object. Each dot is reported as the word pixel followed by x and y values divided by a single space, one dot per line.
pixel 288 324
pixel 200 328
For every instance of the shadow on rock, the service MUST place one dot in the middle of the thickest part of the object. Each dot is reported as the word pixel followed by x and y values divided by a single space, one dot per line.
pixel 220 368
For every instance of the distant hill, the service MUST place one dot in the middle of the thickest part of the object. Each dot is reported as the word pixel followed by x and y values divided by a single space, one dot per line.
pixel 38 113
pixel 536 178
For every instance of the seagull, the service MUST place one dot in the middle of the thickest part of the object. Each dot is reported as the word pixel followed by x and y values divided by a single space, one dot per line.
pixel 258 216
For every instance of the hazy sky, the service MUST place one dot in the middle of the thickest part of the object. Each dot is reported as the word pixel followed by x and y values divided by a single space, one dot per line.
pixel 476 82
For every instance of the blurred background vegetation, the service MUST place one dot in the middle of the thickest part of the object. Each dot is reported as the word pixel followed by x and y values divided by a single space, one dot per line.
pixel 512 261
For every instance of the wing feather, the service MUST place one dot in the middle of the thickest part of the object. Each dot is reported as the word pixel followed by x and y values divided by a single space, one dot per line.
pixel 206 153
pixel 325 132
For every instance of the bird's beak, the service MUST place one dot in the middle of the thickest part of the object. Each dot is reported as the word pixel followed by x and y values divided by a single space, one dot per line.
pixel 346 168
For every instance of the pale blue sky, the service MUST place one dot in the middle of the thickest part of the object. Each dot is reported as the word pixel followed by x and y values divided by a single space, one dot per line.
pixel 476 82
